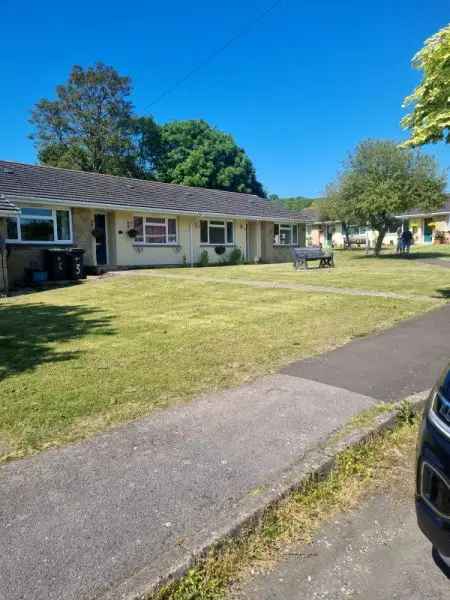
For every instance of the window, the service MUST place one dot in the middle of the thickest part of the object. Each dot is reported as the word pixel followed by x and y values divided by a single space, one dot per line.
pixel 356 230
pixel 155 230
pixel 216 232
pixel 285 234
pixel 229 232
pixel 63 224
pixel 39 225
pixel 12 229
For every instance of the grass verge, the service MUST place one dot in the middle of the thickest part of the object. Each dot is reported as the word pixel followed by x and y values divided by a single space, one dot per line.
pixel 358 471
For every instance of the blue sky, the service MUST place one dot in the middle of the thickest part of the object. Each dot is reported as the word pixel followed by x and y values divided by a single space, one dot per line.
pixel 297 92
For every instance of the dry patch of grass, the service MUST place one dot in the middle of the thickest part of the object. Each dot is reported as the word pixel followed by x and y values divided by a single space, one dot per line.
pixel 379 463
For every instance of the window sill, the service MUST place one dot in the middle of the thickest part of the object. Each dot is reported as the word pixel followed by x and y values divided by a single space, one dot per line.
pixel 26 243
pixel 139 245
pixel 285 245
pixel 216 245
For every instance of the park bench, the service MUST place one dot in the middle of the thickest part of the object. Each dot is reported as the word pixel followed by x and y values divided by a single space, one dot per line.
pixel 355 240
pixel 302 256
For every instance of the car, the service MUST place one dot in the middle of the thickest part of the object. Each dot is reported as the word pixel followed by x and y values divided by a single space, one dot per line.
pixel 433 471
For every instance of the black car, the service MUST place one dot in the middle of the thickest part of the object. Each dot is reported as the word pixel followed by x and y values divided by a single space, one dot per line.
pixel 433 471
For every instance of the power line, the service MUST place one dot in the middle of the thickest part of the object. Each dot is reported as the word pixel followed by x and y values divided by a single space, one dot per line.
pixel 241 33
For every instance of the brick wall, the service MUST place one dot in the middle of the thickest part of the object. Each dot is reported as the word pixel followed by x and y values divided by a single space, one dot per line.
pixel 21 257
pixel 282 254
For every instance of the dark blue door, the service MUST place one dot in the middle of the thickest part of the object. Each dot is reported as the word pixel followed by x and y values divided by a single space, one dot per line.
pixel 100 239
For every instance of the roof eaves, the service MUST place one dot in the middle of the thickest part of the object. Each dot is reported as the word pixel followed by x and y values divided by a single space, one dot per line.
pixel 422 214
pixel 145 209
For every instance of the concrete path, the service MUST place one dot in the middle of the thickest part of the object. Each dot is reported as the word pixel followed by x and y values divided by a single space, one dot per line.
pixel 108 515
pixel 437 262
pixel 102 518
pixel 302 287
pixel 374 553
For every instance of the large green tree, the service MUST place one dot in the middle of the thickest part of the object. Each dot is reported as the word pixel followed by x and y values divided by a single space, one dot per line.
pixel 294 203
pixel 381 180
pixel 90 125
pixel 334 208
pixel 429 120
pixel 194 153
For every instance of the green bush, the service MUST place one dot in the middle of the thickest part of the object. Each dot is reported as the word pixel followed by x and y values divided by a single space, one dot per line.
pixel 235 257
pixel 204 259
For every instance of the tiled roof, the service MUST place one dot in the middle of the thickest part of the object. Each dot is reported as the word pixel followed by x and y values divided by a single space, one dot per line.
pixel 419 211
pixel 312 213
pixel 6 205
pixel 52 183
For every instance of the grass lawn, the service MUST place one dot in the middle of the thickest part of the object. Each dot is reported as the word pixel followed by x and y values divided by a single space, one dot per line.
pixel 78 359
pixel 354 269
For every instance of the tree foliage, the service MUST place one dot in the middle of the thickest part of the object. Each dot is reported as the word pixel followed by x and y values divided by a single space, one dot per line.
pixel 429 120
pixel 194 153
pixel 90 126
pixel 381 180
pixel 333 208
pixel 296 203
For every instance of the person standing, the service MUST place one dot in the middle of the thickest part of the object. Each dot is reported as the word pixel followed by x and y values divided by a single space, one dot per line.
pixel 407 239
pixel 399 240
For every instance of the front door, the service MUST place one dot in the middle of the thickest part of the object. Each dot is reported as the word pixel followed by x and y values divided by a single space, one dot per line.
pixel 427 231
pixel 100 239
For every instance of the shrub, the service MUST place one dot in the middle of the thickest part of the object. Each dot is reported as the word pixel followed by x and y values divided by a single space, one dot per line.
pixel 204 259
pixel 439 237
pixel 235 257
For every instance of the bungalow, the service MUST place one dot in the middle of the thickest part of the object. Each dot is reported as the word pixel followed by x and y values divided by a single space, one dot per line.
pixel 124 223
pixel 425 227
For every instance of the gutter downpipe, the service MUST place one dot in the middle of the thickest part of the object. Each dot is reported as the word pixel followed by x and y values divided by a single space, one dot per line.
pixel 191 250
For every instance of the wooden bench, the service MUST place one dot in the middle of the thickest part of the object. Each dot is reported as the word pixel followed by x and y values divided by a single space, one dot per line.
pixel 302 256
pixel 355 240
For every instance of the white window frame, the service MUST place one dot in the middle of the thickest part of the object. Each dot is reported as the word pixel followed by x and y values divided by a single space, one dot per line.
pixel 286 226
pixel 52 218
pixel 151 221
pixel 214 224
pixel 358 230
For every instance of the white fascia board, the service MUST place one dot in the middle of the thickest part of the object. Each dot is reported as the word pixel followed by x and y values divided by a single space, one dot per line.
pixel 423 215
pixel 323 222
